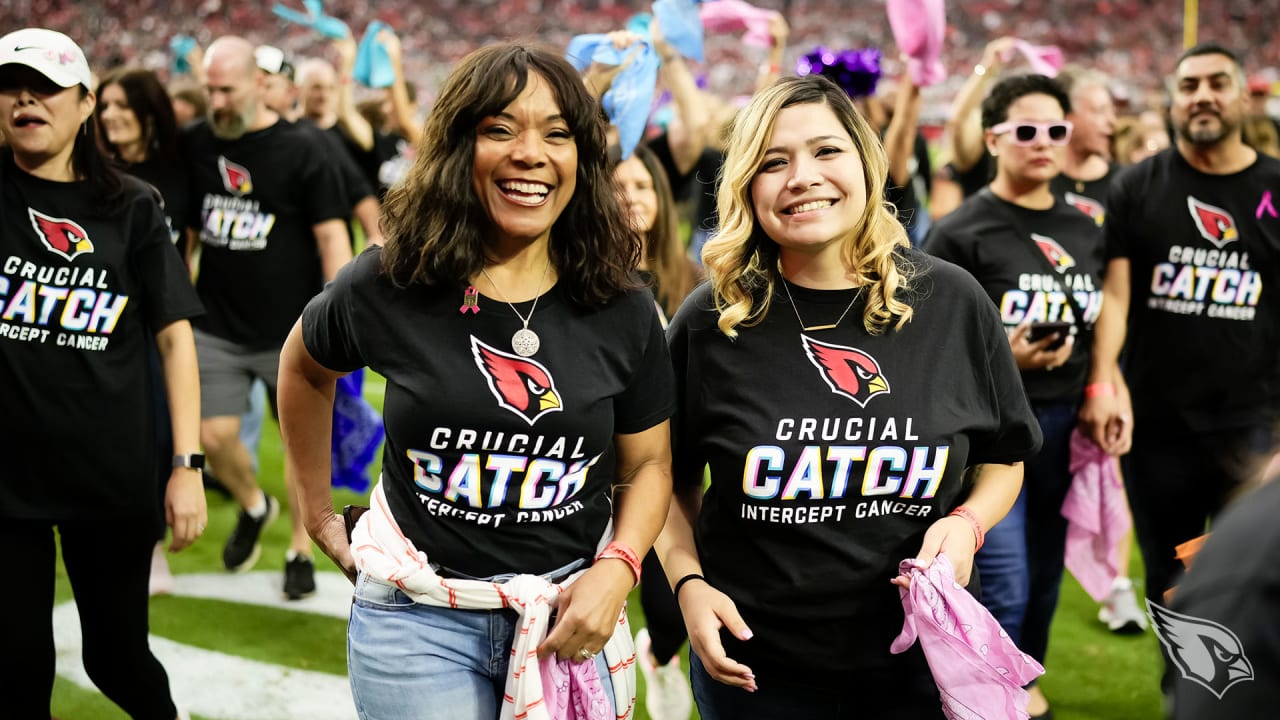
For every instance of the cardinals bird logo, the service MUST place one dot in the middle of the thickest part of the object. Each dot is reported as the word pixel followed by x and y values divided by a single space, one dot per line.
pixel 1061 259
pixel 848 372
pixel 1203 651
pixel 235 178
pixel 1087 205
pixel 1215 224
pixel 62 236
pixel 521 385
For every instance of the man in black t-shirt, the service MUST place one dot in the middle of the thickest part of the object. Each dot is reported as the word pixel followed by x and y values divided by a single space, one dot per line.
pixel 270 233
pixel 1192 239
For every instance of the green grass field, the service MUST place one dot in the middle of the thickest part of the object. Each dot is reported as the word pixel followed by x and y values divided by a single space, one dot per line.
pixel 1092 674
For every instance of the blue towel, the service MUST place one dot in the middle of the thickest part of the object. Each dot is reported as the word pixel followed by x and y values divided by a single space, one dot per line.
pixel 357 434
pixel 181 45
pixel 681 26
pixel 314 18
pixel 373 64
pixel 628 99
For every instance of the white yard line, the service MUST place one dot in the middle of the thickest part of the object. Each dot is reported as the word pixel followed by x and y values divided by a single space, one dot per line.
pixel 216 685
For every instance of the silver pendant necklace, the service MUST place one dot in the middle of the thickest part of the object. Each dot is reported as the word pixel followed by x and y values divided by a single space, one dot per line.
pixel 525 342
pixel 811 328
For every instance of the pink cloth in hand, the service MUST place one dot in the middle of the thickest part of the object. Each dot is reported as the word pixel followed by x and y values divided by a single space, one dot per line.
pixel 918 27
pixel 573 691
pixel 1097 517
pixel 978 669
pixel 1043 59
pixel 726 16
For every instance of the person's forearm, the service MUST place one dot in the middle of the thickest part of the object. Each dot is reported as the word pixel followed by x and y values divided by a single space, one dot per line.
pixel 641 507
pixel 1110 329
pixel 675 546
pixel 690 106
pixel 333 242
pixel 305 394
pixel 995 488
pixel 176 344
pixel 900 138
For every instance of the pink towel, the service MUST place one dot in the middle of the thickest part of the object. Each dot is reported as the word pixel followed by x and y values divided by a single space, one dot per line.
pixel 978 669
pixel 725 16
pixel 918 27
pixel 1043 59
pixel 573 691
pixel 1097 517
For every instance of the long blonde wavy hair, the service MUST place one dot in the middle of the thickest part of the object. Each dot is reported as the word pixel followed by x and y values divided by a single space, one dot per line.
pixel 742 261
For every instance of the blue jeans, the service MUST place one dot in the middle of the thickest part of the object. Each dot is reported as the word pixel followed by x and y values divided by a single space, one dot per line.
pixel 408 661
pixel 1021 562
pixel 1002 568
pixel 903 692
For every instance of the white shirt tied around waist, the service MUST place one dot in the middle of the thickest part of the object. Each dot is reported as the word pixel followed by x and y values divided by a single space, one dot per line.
pixel 382 552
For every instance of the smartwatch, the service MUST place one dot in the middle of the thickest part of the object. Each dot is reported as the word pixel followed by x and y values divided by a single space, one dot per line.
pixel 195 461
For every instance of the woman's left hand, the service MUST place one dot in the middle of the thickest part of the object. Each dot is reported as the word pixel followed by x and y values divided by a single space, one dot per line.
pixel 588 611
pixel 184 507
pixel 953 536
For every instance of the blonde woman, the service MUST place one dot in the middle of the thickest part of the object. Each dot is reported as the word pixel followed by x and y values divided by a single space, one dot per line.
pixel 838 385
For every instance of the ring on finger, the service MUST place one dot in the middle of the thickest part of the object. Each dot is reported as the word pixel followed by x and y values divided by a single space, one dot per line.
pixel 586 654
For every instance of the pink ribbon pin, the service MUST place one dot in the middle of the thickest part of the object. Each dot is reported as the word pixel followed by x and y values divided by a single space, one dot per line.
pixel 470 302
pixel 1266 206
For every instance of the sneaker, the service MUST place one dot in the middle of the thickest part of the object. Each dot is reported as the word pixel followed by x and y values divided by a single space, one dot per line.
pixel 299 577
pixel 1120 611
pixel 667 695
pixel 242 549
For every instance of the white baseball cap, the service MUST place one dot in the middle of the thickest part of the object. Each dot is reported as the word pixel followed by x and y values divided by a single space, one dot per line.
pixel 48 52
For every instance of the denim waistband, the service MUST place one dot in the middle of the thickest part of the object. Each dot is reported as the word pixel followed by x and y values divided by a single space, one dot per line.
pixel 554 576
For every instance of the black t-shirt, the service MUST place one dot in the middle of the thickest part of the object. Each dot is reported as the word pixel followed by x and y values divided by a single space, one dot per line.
pixel 1224 642
pixel 831 452
pixel 257 200
pixel 979 237
pixel 337 150
pixel 973 179
pixel 170 179
pixel 382 165
pixel 698 186
pixel 1203 346
pixel 82 296
pixel 1087 196
pixel 496 463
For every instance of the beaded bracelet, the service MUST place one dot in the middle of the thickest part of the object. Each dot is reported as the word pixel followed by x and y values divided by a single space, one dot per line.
pixel 978 533
pixel 623 552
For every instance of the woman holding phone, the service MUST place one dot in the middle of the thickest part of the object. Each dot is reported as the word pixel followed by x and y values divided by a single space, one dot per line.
pixel 1041 262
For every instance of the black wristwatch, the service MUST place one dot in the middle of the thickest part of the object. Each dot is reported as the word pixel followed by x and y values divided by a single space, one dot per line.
pixel 195 461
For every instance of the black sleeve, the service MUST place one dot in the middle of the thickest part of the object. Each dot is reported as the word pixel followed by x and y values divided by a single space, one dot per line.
pixel 649 398
pixel 1120 209
pixel 328 320
pixel 167 290
pixel 1016 435
pixel 945 245
pixel 687 462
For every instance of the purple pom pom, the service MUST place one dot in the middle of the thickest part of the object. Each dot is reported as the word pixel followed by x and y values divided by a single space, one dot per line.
pixel 855 71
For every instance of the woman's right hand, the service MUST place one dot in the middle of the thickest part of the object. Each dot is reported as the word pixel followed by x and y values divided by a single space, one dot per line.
pixel 1037 355
pixel 706 610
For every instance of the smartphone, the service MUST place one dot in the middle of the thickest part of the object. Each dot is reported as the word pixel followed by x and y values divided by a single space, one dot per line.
pixel 350 514
pixel 1042 330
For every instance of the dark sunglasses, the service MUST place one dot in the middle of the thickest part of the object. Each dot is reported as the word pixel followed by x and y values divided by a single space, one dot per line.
pixel 1028 133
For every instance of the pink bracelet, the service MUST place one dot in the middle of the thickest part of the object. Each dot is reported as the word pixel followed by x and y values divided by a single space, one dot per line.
pixel 978 533
pixel 621 551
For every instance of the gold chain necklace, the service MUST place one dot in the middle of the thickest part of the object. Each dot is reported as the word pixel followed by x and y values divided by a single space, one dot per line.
pixel 525 341
pixel 811 328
